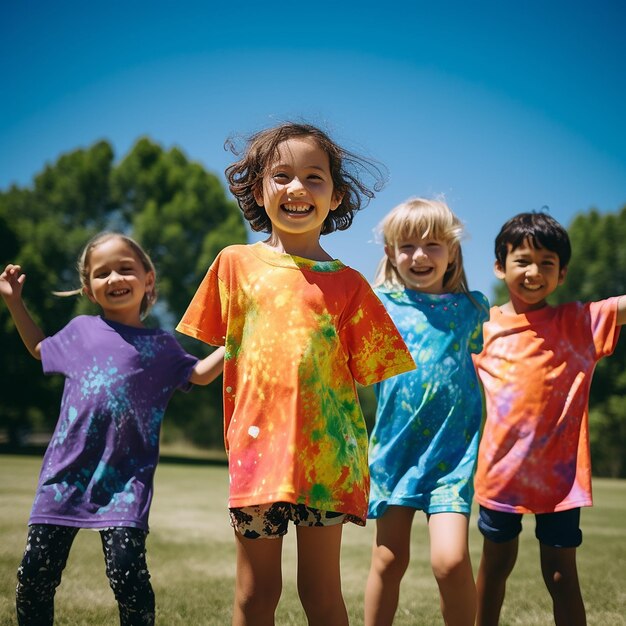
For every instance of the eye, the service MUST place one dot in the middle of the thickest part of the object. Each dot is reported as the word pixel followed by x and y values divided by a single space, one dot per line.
pixel 280 176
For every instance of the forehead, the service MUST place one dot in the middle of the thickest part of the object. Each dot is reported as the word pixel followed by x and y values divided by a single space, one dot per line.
pixel 301 151
pixel 111 251
pixel 530 248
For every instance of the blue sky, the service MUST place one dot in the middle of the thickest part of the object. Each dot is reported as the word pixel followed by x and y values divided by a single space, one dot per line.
pixel 501 107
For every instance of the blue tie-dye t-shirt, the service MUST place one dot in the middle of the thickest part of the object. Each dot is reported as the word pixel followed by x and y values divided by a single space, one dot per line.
pixel 99 467
pixel 424 444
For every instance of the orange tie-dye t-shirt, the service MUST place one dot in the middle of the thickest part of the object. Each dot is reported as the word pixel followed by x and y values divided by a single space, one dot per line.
pixel 536 370
pixel 298 333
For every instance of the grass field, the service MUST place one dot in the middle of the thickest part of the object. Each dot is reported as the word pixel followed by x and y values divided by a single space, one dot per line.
pixel 191 558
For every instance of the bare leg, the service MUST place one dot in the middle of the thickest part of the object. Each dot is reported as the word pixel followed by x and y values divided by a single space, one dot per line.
pixel 496 564
pixel 452 567
pixel 558 566
pixel 391 554
pixel 319 575
pixel 259 581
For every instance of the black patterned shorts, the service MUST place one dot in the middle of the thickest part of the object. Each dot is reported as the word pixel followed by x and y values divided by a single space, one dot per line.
pixel 270 521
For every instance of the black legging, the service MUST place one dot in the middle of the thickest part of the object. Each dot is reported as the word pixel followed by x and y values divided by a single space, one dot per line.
pixel 47 549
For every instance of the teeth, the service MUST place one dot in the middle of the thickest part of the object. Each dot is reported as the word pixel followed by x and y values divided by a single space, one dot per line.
pixel 532 287
pixel 119 292
pixel 297 208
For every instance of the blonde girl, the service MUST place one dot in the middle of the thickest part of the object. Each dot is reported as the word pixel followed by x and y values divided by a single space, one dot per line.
pixel 424 443
pixel 98 469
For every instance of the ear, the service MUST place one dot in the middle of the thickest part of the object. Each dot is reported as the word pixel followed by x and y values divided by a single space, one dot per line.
pixel 88 293
pixel 562 275
pixel 391 255
pixel 337 200
pixel 150 282
pixel 498 270
pixel 258 194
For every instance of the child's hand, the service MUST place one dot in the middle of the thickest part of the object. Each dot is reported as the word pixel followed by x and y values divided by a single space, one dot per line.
pixel 11 282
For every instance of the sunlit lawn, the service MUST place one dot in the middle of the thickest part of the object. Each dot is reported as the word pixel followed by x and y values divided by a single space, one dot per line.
pixel 191 558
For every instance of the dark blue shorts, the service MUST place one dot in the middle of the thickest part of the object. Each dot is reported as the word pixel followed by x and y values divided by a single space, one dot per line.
pixel 558 530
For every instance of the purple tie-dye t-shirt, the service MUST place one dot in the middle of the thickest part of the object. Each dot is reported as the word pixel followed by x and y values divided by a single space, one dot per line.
pixel 99 467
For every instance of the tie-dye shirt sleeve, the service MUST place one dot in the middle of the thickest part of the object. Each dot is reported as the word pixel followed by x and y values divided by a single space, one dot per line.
pixel 372 341
pixel 536 370
pixel 298 333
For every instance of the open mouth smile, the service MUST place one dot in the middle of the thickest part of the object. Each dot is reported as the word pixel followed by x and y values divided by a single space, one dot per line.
pixel 300 208
pixel 421 271
pixel 119 292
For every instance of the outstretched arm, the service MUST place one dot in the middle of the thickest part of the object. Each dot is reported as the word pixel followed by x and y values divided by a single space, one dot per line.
pixel 209 368
pixel 621 310
pixel 11 283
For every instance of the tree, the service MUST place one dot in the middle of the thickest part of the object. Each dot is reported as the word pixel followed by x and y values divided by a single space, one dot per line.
pixel 177 210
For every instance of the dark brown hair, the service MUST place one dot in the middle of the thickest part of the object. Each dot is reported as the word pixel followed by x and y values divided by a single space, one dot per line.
pixel 246 175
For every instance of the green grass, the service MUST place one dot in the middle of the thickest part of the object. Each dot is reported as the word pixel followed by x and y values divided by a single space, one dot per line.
pixel 192 560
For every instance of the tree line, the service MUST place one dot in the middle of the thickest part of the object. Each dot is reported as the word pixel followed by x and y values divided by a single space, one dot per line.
pixel 183 217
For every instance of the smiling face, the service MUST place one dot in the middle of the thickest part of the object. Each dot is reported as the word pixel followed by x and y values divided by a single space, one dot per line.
pixel 297 192
pixel 531 274
pixel 118 281
pixel 421 262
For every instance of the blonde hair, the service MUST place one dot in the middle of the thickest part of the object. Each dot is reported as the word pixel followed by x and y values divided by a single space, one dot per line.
pixel 83 268
pixel 419 217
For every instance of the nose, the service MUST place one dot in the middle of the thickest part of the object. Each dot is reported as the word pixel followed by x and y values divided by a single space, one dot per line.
pixel 419 252
pixel 114 276
pixel 295 187
pixel 532 270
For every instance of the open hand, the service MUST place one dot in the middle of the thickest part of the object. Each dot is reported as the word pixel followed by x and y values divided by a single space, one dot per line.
pixel 11 282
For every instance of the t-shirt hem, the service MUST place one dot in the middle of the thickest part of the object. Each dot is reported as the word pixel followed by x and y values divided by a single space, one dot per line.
pixel 197 333
pixel 377 378
pixel 91 524
pixel 378 509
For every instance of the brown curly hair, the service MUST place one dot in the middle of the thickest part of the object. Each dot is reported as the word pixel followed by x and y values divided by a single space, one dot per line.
pixel 245 176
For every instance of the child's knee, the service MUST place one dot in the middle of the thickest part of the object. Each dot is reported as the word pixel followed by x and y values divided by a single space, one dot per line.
pixel 449 565
pixel 390 564
pixel 35 579
pixel 258 602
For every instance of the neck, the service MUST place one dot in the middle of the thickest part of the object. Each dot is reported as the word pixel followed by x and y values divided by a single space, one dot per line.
pixel 513 307
pixel 302 245
pixel 123 318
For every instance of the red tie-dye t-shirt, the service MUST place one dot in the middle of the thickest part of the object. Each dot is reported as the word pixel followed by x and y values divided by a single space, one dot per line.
pixel 298 333
pixel 536 370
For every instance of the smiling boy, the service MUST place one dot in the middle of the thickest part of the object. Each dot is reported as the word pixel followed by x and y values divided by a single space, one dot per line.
pixel 536 368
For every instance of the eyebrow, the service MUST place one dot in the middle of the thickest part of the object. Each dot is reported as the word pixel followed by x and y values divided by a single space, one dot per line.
pixel 306 167
pixel 123 261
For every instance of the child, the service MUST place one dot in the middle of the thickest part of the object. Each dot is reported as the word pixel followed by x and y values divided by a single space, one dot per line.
pixel 424 443
pixel 299 329
pixel 536 369
pixel 99 467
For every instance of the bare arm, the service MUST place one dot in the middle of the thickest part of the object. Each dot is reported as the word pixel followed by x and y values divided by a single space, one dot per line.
pixel 11 283
pixel 209 368
pixel 621 311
